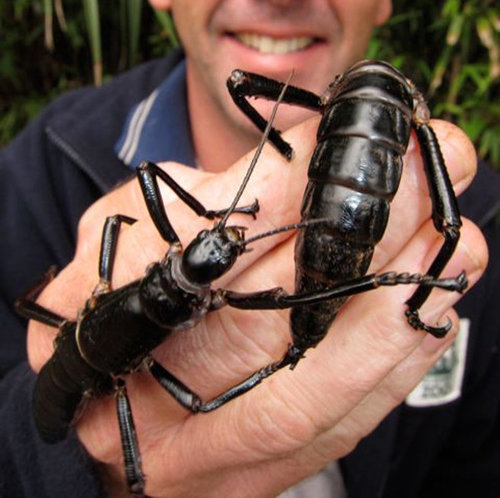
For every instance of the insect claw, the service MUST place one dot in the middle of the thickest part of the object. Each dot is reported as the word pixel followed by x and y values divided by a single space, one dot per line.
pixel 462 281
pixel 294 355
pixel 254 209
pixel 288 152
pixel 417 324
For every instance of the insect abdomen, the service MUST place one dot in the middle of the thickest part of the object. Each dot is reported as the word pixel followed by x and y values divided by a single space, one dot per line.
pixel 60 387
pixel 353 175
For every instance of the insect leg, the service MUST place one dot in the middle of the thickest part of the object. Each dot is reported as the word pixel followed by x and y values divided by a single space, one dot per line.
pixel 147 173
pixel 130 446
pixel 191 401
pixel 107 254
pixel 251 209
pixel 277 298
pixel 446 218
pixel 242 84
pixel 177 389
pixel 26 306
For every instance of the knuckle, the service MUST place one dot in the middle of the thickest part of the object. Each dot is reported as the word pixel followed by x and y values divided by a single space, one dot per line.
pixel 86 223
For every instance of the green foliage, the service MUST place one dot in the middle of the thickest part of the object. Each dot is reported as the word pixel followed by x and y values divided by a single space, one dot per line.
pixel 51 46
pixel 451 50
pixel 93 22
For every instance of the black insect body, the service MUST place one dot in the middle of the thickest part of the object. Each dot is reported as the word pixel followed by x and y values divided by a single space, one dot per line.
pixel 368 113
pixel 116 331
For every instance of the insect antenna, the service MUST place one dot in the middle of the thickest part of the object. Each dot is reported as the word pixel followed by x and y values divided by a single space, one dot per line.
pixel 256 156
pixel 284 228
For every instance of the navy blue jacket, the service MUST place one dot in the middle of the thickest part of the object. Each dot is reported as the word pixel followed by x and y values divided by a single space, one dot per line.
pixel 62 163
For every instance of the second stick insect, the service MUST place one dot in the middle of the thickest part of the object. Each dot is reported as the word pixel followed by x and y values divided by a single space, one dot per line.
pixel 115 332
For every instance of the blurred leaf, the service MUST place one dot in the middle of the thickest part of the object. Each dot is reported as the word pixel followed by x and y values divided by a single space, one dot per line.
pixel 485 32
pixel 474 126
pixel 134 28
pixel 455 30
pixel 61 18
pixel 48 23
pixel 494 17
pixel 167 24
pixel 451 8
pixel 91 9
pixel 489 144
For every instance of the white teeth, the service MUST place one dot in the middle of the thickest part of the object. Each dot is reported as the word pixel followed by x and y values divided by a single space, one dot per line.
pixel 269 45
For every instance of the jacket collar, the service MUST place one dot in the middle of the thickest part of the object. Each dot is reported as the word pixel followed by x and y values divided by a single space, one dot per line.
pixel 157 128
pixel 88 129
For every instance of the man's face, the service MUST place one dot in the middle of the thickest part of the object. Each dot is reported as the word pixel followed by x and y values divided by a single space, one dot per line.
pixel 316 38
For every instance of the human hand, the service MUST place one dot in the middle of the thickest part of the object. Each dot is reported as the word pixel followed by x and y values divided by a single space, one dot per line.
pixel 295 422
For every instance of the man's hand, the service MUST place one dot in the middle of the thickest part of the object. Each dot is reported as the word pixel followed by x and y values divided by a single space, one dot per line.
pixel 297 421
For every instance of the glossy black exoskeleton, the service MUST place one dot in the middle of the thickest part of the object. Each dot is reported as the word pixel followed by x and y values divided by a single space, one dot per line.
pixel 367 115
pixel 117 329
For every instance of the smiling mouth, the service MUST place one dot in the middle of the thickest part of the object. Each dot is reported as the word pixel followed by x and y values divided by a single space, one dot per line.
pixel 269 45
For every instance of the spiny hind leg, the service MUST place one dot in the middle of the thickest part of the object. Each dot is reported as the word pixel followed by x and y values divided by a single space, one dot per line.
pixel 130 446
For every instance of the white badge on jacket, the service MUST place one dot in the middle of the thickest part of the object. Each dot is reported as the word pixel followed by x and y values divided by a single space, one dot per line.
pixel 443 383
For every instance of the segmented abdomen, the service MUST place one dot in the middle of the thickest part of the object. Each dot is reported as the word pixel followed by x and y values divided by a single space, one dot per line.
pixel 353 175
pixel 61 385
